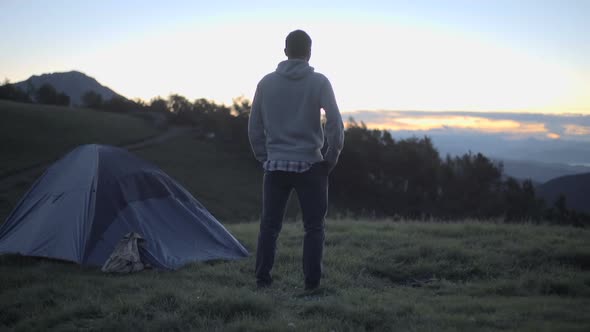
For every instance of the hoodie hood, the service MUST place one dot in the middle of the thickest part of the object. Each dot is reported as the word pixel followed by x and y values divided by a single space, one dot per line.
pixel 294 69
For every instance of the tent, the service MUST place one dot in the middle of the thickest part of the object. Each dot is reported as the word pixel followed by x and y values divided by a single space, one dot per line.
pixel 86 202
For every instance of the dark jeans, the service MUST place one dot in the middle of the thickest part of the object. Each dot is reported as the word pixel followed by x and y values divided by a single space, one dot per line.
pixel 312 190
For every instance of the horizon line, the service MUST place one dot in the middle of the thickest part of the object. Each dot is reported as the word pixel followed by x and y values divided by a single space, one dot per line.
pixel 575 111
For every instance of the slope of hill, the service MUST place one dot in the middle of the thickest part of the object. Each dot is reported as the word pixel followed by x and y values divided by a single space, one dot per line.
pixel 73 83
pixel 378 276
pixel 576 189
pixel 33 135
pixel 539 172
pixel 227 182
pixel 563 151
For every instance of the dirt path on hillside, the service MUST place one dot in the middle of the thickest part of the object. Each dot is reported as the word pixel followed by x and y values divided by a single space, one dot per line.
pixel 168 134
pixel 29 174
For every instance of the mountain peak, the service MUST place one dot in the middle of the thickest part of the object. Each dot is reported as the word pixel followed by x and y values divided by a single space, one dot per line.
pixel 73 83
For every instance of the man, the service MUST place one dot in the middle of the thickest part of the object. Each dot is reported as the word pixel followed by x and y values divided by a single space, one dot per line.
pixel 286 135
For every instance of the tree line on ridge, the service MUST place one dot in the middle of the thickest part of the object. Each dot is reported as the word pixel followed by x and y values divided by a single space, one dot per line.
pixel 378 175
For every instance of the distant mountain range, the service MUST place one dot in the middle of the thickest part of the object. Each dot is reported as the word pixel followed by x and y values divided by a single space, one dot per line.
pixel 538 160
pixel 546 151
pixel 73 83
pixel 539 172
pixel 576 189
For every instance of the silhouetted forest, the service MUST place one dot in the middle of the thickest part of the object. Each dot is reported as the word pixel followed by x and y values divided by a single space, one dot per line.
pixel 377 175
pixel 11 92
pixel 45 94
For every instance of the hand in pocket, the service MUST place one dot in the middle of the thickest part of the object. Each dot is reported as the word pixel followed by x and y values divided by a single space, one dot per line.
pixel 327 166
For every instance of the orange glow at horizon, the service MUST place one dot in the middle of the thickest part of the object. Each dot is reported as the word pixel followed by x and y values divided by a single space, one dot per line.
pixel 576 130
pixel 474 123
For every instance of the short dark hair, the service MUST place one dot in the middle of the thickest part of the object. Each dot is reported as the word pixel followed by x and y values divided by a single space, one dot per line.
pixel 298 44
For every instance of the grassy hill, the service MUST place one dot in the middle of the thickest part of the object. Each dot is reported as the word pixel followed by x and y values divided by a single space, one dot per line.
pixel 226 181
pixel 33 134
pixel 378 276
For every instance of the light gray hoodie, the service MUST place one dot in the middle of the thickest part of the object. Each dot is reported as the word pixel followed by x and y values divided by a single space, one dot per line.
pixel 285 121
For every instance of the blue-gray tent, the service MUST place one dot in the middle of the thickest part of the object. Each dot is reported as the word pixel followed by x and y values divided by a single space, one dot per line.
pixel 86 202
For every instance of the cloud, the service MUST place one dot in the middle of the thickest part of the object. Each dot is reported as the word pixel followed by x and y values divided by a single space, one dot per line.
pixel 576 130
pixel 474 123
pixel 506 125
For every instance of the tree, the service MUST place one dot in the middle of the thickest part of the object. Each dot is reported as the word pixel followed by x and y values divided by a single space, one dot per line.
pixel 179 104
pixel 46 94
pixel 520 201
pixel 11 92
pixel 92 99
pixel 120 104
pixel 241 107
pixel 62 99
pixel 138 103
pixel 159 105
pixel 561 208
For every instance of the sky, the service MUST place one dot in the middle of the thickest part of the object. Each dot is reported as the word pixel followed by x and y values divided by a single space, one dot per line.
pixel 509 126
pixel 474 55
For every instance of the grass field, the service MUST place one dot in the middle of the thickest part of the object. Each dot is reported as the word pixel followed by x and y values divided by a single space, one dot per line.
pixel 378 276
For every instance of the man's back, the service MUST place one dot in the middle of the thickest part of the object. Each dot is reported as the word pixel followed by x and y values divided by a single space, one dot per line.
pixel 286 109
